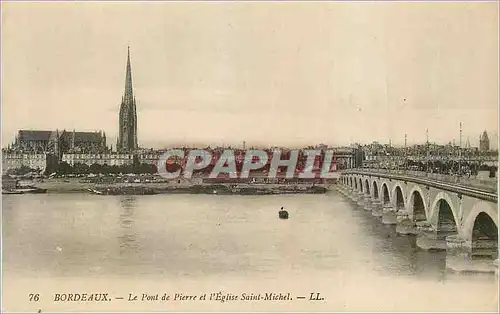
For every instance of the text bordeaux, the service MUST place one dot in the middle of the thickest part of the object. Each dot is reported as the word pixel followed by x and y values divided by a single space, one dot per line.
pixel 81 297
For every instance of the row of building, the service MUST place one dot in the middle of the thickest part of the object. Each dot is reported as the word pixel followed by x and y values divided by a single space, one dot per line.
pixel 40 149
pixel 40 160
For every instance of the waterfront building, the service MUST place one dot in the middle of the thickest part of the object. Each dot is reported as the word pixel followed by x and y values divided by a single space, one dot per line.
pixel 110 159
pixel 150 158
pixel 346 157
pixel 14 160
pixel 127 126
pixel 113 158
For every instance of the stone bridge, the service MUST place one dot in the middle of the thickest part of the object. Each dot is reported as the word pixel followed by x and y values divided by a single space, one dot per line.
pixel 444 216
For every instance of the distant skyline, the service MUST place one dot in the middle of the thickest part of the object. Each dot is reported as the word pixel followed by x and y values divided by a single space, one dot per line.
pixel 270 74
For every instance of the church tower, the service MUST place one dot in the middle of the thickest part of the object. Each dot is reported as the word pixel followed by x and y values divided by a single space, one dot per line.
pixel 127 133
pixel 484 142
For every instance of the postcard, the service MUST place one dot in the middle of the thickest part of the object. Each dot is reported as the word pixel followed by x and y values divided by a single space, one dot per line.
pixel 249 156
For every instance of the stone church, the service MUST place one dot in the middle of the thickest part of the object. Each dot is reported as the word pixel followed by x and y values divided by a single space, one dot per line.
pixel 59 142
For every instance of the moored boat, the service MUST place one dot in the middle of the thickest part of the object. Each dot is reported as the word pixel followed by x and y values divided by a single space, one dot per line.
pixel 92 191
pixel 12 186
pixel 30 190
pixel 11 192
pixel 24 190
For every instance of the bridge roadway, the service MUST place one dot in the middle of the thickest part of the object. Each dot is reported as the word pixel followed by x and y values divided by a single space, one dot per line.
pixel 460 219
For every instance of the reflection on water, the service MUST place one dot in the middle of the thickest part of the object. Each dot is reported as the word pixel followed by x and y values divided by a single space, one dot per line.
pixel 128 243
pixel 198 236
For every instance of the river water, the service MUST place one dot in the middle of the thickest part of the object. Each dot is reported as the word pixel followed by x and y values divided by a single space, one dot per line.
pixel 197 244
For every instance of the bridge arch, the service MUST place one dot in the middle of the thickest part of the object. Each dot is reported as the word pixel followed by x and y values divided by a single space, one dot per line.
pixel 355 183
pixel 484 238
pixel 384 192
pixel 416 205
pixel 367 187
pixel 375 189
pixel 436 207
pixel 446 219
pixel 444 215
pixel 398 197
pixel 360 184
pixel 483 208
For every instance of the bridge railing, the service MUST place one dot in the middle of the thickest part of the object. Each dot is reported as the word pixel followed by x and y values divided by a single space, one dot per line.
pixel 473 182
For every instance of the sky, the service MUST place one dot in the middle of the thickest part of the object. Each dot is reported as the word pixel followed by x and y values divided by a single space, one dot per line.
pixel 273 73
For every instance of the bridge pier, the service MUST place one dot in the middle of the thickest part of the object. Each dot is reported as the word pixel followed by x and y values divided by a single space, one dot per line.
pixel 405 225
pixel 368 202
pixel 389 215
pixel 361 199
pixel 349 193
pixel 457 246
pixel 354 195
pixel 467 255
pixel 346 191
pixel 430 239
pixel 377 208
pixel 341 189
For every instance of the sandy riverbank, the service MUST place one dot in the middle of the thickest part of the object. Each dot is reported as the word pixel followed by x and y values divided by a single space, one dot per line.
pixel 75 185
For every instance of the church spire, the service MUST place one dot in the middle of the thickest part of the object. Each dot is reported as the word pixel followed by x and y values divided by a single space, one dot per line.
pixel 128 96
pixel 127 125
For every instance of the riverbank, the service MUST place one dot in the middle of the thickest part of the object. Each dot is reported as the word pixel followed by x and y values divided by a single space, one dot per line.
pixel 75 185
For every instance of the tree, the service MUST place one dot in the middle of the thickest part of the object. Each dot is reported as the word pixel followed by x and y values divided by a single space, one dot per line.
pixel 95 168
pixel 64 168
pixel 81 168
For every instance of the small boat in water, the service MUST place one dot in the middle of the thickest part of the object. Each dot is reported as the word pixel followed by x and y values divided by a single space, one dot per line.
pixel 283 214
pixel 25 190
pixel 11 192
pixel 92 191
pixel 13 186
pixel 30 190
